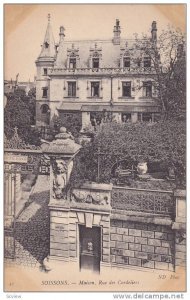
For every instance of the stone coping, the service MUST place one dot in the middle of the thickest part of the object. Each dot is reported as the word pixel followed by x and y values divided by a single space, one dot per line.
pixel 180 193
pixel 179 226
pixel 88 207
pixel 141 217
pixel 95 186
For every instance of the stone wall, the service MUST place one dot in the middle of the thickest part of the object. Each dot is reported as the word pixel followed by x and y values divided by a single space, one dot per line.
pixel 142 245
pixel 64 241
pixel 180 250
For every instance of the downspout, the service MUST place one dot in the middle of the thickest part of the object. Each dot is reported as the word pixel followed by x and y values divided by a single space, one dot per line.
pixel 111 98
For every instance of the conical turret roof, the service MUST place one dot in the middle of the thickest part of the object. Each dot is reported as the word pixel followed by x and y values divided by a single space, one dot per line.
pixel 48 47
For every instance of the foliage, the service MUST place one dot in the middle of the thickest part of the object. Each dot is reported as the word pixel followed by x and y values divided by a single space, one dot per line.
pixel 72 121
pixel 169 64
pixel 19 113
pixel 162 142
pixel 15 142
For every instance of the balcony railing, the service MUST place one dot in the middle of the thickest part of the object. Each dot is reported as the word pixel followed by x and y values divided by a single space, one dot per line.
pixel 103 71
pixel 141 200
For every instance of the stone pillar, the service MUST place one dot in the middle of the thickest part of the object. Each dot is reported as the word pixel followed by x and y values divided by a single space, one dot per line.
pixel 18 187
pixel 62 225
pixel 134 117
pixel 117 117
pixel 59 227
pixel 180 231
pixel 85 119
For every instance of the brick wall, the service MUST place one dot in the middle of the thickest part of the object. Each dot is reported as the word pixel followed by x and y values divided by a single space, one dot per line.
pixel 142 245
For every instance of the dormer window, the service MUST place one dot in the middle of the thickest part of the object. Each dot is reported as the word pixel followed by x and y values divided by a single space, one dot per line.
pixel 95 58
pixel 95 63
pixel 72 57
pixel 46 45
pixel 126 62
pixel 72 63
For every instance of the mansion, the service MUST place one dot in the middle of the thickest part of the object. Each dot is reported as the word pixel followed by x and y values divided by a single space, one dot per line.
pixel 97 80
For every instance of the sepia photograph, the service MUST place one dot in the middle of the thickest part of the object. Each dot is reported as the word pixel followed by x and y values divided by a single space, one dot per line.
pixel 95 148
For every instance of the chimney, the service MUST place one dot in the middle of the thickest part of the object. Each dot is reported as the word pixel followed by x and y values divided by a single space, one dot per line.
pixel 61 34
pixel 154 31
pixel 116 32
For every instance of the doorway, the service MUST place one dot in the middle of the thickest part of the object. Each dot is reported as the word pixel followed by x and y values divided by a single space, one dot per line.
pixel 90 248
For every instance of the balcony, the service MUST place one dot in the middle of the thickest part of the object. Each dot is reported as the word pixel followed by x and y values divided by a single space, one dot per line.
pixel 103 71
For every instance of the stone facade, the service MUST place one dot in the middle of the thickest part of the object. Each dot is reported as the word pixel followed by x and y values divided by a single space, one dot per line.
pixel 93 78
pixel 64 229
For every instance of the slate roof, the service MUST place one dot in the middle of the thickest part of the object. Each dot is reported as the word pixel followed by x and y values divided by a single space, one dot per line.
pixel 49 51
pixel 110 53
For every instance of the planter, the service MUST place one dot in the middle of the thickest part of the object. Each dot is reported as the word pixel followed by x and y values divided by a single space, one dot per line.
pixel 142 168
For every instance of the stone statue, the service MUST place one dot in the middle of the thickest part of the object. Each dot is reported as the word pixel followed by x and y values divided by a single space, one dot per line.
pixel 60 178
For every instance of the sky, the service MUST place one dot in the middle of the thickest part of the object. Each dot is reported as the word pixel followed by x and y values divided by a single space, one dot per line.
pixel 25 26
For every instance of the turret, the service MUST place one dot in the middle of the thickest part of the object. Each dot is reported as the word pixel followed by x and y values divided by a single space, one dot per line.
pixel 48 46
pixel 44 64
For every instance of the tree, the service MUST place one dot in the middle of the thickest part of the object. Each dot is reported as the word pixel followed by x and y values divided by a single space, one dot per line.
pixel 167 55
pixel 72 121
pixel 162 142
pixel 19 113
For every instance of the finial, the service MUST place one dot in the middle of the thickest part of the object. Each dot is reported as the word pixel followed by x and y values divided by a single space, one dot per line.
pixel 49 17
pixel 73 45
pixel 95 45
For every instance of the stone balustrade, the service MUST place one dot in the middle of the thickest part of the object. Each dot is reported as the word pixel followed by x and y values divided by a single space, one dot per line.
pixel 103 71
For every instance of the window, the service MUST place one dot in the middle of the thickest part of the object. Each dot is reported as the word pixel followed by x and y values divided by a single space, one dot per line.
pixel 45 71
pixel 147 62
pixel 45 92
pixel 147 89
pixel 145 117
pixel 45 109
pixel 126 117
pixel 95 63
pixel 72 89
pixel 72 63
pixel 138 62
pixel 126 88
pixel 46 45
pixel 95 87
pixel 126 62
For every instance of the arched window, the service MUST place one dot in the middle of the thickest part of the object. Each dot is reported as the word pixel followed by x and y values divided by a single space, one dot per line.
pixel 45 109
pixel 45 114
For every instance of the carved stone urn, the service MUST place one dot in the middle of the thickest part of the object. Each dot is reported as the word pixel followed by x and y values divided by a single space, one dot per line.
pixel 61 152
pixel 142 168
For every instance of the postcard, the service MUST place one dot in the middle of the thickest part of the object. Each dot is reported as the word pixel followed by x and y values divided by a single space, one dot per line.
pixel 95 148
